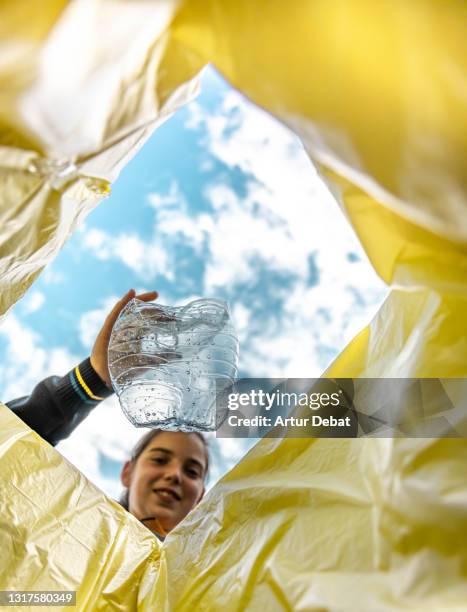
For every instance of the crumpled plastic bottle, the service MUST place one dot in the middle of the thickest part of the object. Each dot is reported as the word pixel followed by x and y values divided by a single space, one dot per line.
pixel 167 364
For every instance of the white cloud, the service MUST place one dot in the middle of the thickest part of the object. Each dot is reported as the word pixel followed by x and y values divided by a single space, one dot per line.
pixel 287 213
pixel 314 325
pixel 241 316
pixel 286 218
pixel 29 359
pixel 91 321
pixel 50 277
pixel 145 259
pixel 170 200
pixel 232 449
pixel 177 222
pixel 32 301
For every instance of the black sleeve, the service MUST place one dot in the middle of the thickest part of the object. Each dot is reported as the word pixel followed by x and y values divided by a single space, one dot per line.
pixel 58 405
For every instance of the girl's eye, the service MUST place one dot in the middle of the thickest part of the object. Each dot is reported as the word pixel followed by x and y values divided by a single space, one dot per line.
pixel 192 473
pixel 159 460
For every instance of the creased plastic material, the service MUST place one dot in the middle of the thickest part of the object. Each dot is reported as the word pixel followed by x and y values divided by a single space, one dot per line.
pixel 377 92
pixel 59 532
pixel 78 99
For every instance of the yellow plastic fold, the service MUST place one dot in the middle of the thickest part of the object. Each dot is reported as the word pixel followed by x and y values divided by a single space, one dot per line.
pixel 72 113
pixel 377 92
pixel 59 532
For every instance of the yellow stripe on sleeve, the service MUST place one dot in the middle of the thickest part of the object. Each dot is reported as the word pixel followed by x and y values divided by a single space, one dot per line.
pixel 85 387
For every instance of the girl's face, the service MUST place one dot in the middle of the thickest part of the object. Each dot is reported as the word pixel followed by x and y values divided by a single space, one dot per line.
pixel 167 479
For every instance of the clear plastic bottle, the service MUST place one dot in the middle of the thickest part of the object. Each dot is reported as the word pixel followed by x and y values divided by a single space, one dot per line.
pixel 167 364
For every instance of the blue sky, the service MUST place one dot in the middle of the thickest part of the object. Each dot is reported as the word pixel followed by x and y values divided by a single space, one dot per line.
pixel 222 201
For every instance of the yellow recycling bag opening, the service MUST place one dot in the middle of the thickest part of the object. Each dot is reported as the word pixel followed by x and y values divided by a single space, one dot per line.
pixel 376 93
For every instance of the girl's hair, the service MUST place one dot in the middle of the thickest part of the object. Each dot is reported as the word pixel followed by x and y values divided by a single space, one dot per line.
pixel 144 441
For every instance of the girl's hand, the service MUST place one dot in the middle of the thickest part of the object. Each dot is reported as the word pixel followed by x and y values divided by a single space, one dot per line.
pixel 99 351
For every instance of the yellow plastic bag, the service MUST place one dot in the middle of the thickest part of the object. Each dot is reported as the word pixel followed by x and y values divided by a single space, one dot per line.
pixel 59 532
pixel 376 91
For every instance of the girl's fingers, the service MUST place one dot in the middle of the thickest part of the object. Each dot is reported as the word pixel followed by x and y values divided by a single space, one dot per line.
pixel 113 314
pixel 147 297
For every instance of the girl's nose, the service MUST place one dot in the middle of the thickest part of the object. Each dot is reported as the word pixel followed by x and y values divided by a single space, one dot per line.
pixel 173 473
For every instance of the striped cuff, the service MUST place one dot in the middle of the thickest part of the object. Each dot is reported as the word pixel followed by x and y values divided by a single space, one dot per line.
pixel 82 385
pixel 87 383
